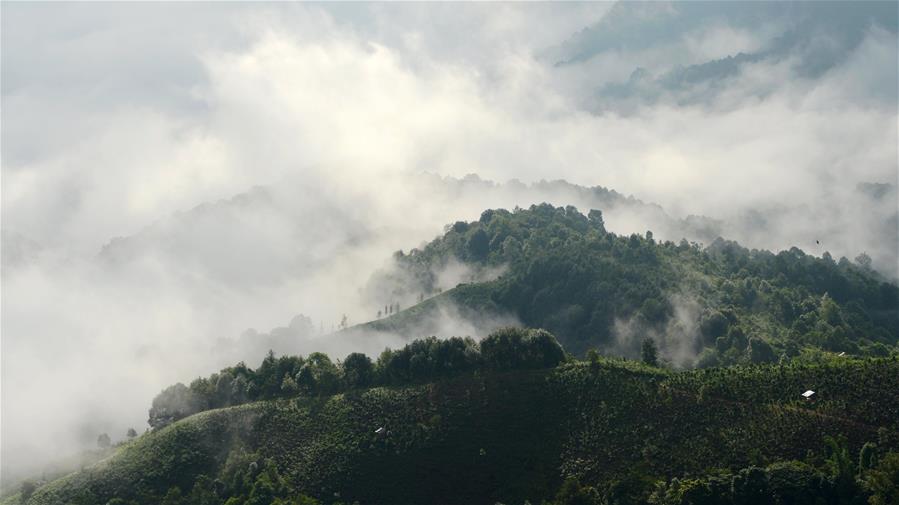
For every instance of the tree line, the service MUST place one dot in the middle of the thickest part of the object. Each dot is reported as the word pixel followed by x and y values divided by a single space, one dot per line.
pixel 870 478
pixel 566 273
pixel 422 360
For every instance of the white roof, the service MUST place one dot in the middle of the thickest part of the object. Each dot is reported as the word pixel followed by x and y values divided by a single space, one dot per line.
pixel 842 354
pixel 808 393
pixel 379 430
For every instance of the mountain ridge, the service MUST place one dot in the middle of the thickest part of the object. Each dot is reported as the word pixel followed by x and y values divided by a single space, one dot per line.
pixel 584 420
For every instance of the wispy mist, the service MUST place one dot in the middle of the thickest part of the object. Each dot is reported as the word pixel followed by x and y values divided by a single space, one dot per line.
pixel 174 175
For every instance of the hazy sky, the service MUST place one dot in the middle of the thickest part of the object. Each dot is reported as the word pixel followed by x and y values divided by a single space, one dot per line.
pixel 119 120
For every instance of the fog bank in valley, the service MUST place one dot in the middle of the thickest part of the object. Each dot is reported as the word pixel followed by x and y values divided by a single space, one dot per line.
pixel 175 175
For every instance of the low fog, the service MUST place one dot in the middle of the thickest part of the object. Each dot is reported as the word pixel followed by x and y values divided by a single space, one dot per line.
pixel 186 186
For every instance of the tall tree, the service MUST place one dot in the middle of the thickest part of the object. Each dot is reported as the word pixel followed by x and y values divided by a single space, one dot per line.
pixel 649 352
pixel 358 370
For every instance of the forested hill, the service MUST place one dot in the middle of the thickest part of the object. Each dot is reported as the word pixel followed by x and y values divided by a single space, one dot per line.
pixel 715 305
pixel 514 417
pixel 592 432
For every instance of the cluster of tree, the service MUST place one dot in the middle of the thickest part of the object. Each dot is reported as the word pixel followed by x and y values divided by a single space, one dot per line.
pixel 838 480
pixel 871 479
pixel 620 427
pixel 105 442
pixel 567 274
pixel 242 481
pixel 422 360
pixel 866 390
pixel 394 307
pixel 649 352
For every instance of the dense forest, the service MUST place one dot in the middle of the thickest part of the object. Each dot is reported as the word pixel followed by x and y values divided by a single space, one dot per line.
pixel 668 374
pixel 721 304
pixel 511 419
pixel 608 252
pixel 423 360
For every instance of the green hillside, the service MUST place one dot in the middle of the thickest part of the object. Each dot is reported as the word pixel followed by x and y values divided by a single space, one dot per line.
pixel 514 418
pixel 605 429
pixel 716 305
pixel 470 302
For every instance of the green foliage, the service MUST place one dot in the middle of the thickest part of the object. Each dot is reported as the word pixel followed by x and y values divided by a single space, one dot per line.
pixel 203 492
pixel 519 349
pixel 318 375
pixel 358 371
pixel 572 493
pixel 175 402
pixel 649 352
pixel 791 482
pixel 750 486
pixel 840 463
pixel 428 359
pixel 27 490
pixel 478 245
pixel 867 457
pixel 618 430
pixel 119 501
pixel 838 383
pixel 633 489
pixel 882 481
pixel 566 273
pixel 421 360
pixel 511 419
pixel 760 351
pixel 714 325
pixel 173 497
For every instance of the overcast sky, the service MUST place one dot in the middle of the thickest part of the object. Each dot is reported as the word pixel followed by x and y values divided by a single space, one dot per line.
pixel 118 120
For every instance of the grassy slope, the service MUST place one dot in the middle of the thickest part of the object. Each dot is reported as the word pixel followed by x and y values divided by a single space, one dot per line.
pixel 54 470
pixel 565 274
pixel 479 439
pixel 471 301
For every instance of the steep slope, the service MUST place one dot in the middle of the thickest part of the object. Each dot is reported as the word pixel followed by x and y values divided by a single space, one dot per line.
pixel 503 436
pixel 467 309
pixel 593 289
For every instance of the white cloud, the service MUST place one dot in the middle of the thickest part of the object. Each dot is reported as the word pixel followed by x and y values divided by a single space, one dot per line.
pixel 335 112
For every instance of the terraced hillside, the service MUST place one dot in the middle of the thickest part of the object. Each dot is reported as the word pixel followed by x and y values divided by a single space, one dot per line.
pixel 616 426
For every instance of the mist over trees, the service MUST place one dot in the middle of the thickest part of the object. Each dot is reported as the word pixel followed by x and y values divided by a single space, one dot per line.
pixel 649 353
pixel 202 174
pixel 744 435
pixel 422 360
pixel 723 303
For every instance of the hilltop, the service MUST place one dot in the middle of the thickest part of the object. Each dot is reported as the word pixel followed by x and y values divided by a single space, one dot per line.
pixel 705 306
pixel 604 427
pixel 517 416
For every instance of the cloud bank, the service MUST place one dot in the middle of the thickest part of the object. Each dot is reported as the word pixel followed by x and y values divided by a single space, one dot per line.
pixel 172 176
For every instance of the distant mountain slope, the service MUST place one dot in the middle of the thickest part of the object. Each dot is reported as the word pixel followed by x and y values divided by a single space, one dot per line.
pixel 215 237
pixel 807 39
pixel 483 438
pixel 466 310
pixel 563 271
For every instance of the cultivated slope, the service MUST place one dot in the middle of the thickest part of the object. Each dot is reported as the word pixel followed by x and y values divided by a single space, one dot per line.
pixel 509 436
